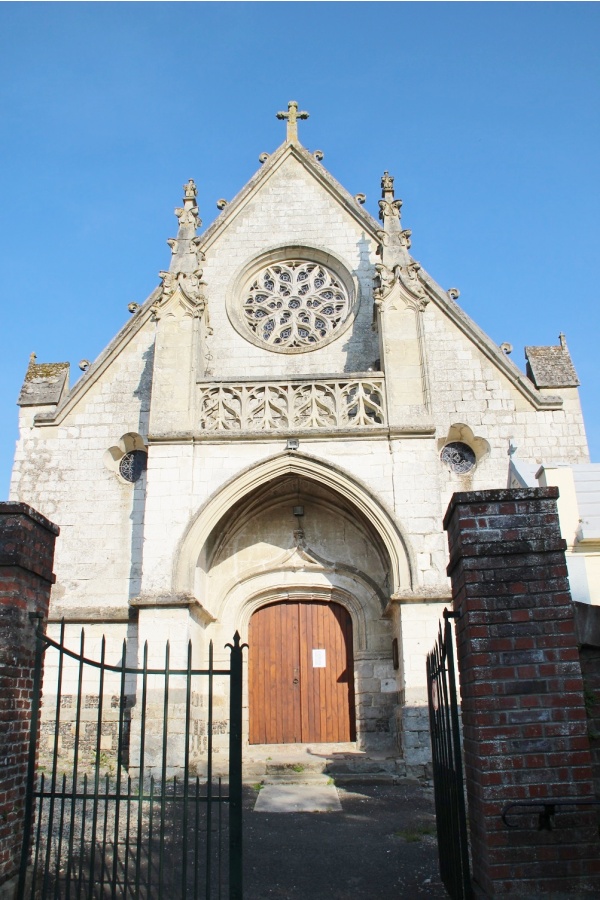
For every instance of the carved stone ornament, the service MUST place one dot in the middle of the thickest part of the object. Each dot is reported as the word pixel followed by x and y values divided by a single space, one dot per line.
pixel 188 216
pixel 389 208
pixel 385 281
pixel 407 277
pixel 192 289
pixel 295 305
pixel 296 406
pixel 190 191
pixel 195 249
pixel 405 238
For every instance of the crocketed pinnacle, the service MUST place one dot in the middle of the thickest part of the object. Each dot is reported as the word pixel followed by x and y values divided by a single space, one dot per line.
pixel 185 254
pixel 395 241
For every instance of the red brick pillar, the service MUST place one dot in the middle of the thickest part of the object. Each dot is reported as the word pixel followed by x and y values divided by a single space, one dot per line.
pixel 26 557
pixel 524 720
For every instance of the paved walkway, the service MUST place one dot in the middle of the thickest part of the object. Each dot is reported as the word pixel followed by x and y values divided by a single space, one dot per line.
pixel 380 845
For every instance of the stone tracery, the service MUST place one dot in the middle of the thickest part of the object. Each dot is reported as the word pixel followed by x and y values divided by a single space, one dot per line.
pixel 295 305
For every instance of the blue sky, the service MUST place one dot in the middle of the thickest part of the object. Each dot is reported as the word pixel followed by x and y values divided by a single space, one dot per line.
pixel 487 114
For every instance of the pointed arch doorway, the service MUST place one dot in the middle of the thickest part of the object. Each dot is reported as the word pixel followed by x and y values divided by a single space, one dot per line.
pixel 301 673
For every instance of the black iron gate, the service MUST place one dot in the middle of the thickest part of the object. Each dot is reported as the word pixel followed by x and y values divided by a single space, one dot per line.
pixel 122 800
pixel 450 812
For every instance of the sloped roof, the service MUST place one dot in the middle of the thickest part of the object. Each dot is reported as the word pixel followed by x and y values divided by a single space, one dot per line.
pixel 551 367
pixel 44 383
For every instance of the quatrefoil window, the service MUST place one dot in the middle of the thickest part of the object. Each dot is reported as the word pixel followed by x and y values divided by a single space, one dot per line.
pixel 295 305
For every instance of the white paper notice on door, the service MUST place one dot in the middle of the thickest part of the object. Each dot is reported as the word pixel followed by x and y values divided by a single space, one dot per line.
pixel 318 659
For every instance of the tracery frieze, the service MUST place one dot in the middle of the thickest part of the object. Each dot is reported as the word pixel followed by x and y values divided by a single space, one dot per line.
pixel 289 405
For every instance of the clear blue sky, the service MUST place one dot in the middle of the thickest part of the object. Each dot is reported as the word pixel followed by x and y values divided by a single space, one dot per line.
pixel 487 114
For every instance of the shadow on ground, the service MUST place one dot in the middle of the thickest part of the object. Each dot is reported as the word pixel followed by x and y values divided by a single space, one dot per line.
pixel 382 845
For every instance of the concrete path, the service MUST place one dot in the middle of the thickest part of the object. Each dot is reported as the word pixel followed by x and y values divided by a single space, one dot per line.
pixel 297 798
pixel 380 844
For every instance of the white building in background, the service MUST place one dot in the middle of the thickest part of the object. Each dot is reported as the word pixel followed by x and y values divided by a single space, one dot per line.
pixel 269 445
pixel 579 512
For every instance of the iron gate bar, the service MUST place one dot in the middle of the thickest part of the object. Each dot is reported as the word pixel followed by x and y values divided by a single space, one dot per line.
pixel 107 797
pixel 453 849
pixel 138 857
pixel 235 763
pixel 75 758
pixel 163 775
pixel 209 772
pixel 186 767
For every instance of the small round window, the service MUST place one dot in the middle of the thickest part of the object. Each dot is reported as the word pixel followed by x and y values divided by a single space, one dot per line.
pixel 458 457
pixel 132 465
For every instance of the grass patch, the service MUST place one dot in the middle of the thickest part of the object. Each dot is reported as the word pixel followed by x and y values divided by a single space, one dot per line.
pixel 417 832
pixel 257 787
pixel 298 768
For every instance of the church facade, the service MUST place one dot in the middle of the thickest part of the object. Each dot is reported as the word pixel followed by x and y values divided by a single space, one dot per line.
pixel 269 445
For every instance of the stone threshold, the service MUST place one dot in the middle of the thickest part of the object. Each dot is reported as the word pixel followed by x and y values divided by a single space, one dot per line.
pixel 319 763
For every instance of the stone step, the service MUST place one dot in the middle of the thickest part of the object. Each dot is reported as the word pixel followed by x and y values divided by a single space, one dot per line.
pixel 293 776
pixel 385 770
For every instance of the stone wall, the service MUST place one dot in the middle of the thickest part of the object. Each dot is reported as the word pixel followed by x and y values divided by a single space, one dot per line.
pixel 26 557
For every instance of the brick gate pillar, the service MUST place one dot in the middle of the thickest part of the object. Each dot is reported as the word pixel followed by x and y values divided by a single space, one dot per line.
pixel 523 713
pixel 26 558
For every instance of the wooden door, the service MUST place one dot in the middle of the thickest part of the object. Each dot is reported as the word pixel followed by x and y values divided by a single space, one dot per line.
pixel 301 674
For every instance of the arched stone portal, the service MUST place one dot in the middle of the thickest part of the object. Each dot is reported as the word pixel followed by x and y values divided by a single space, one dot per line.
pixel 298 540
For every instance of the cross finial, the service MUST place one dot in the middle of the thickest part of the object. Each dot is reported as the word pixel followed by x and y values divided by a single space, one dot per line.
pixel 292 116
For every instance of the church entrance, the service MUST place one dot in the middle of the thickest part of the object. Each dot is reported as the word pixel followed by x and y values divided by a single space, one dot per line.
pixel 301 674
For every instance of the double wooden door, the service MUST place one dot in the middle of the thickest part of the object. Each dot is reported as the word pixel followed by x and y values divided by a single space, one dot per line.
pixel 301 673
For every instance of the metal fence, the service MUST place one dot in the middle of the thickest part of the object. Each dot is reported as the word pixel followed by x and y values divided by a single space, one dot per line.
pixel 122 800
pixel 448 782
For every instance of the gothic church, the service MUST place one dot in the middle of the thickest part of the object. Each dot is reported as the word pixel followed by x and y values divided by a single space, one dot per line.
pixel 269 445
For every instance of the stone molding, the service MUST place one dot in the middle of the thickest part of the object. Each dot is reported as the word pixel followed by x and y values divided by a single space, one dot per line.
pixel 330 593
pixel 292 462
pixel 407 431
pixel 174 601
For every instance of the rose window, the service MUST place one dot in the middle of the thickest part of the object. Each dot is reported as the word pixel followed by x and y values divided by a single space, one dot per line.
pixel 295 305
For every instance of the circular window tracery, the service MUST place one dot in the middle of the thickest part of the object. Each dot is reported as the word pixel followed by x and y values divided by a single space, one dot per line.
pixel 132 465
pixel 459 457
pixel 295 305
